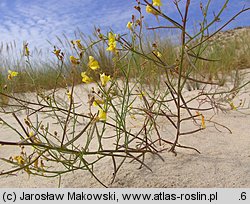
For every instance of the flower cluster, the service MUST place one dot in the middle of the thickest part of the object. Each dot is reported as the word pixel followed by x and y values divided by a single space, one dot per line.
pixel 92 67
pixel 111 42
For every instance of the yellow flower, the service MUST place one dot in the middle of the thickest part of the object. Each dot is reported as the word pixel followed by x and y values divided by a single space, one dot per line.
pixel 69 95
pixel 111 37
pixel 19 159
pixel 129 25
pixel 85 78
pixel 26 50
pixel 233 107
pixel 104 79
pixel 112 47
pixel 79 45
pixel 142 94
pixel 97 102
pixel 31 134
pixel 157 53
pixel 102 115
pixel 57 52
pixel 157 3
pixel 112 42
pixel 149 9
pixel 203 124
pixel 12 74
pixel 93 64
pixel 74 60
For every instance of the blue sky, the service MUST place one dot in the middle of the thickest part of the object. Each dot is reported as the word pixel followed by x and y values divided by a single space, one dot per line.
pixel 37 21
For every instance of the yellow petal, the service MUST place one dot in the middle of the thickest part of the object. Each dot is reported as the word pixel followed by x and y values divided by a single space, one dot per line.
pixel 111 37
pixel 112 47
pixel 31 134
pixel 85 78
pixel 74 60
pixel 233 107
pixel 79 45
pixel 102 115
pixel 9 77
pixel 149 9
pixel 68 94
pixel 142 94
pixel 129 25
pixel 26 50
pixel 157 3
pixel 111 42
pixel 57 52
pixel 158 54
pixel 12 74
pixel 93 64
pixel 104 79
pixel 19 159
pixel 97 102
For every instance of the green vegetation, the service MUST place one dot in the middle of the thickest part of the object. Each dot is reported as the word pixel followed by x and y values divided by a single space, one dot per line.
pixel 229 51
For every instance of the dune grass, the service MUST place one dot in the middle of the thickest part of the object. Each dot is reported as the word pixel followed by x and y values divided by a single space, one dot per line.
pixel 229 52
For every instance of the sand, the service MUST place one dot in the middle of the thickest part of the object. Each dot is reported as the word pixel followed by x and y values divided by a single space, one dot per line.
pixel 224 160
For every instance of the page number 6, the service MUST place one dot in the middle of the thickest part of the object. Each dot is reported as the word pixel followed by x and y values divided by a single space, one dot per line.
pixel 243 196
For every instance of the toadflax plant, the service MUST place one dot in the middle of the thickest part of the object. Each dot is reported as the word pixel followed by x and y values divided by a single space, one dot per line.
pixel 119 119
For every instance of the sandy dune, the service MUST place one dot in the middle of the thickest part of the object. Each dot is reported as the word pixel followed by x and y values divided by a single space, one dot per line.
pixel 224 160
